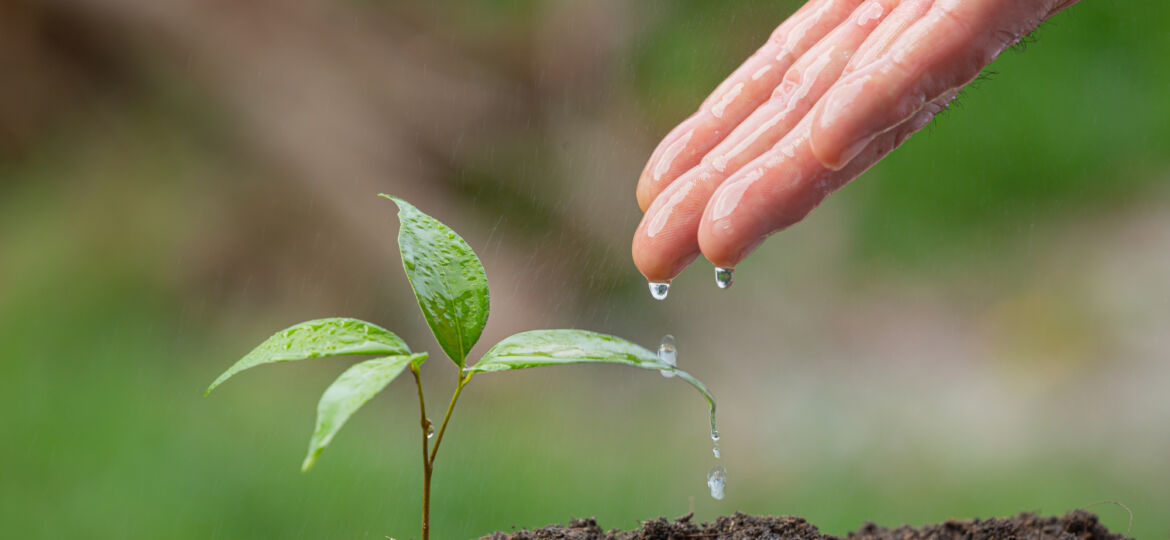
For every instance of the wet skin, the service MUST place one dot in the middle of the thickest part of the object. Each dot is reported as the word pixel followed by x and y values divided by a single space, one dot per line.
pixel 839 85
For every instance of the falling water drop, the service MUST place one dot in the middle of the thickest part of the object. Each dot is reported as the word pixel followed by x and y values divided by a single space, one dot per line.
pixel 716 481
pixel 723 277
pixel 659 290
pixel 717 478
pixel 668 354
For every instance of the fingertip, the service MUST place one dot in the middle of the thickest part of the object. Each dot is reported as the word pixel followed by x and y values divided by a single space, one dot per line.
pixel 665 241
pixel 643 192
pixel 721 235
pixel 723 244
pixel 654 264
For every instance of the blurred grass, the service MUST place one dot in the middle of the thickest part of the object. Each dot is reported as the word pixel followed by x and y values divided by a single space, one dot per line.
pixel 104 355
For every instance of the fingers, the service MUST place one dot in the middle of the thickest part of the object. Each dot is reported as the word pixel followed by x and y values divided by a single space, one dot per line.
pixel 944 49
pixel 720 189
pixel 783 185
pixel 907 13
pixel 748 87
pixel 666 241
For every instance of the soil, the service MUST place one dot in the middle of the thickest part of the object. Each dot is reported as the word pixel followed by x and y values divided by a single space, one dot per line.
pixel 1076 525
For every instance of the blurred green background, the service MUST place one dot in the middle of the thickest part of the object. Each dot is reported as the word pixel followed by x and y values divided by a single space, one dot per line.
pixel 978 326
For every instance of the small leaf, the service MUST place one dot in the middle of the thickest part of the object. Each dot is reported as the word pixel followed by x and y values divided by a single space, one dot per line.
pixel 348 393
pixel 447 278
pixel 538 348
pixel 317 338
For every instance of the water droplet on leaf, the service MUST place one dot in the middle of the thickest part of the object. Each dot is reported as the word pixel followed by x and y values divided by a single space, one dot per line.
pixel 668 354
pixel 659 290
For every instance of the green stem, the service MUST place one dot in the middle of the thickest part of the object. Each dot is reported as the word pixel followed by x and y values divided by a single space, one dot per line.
pixel 447 417
pixel 426 428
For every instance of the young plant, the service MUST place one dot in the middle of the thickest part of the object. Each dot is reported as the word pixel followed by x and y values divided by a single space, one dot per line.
pixel 452 291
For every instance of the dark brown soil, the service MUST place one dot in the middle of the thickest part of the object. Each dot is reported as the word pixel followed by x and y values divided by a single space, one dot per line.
pixel 1077 525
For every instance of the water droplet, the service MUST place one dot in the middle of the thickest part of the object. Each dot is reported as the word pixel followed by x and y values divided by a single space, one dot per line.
pixel 659 290
pixel 430 429
pixel 717 481
pixel 668 354
pixel 723 277
pixel 714 437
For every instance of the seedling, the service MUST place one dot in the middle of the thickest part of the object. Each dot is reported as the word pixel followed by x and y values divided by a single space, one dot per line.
pixel 452 291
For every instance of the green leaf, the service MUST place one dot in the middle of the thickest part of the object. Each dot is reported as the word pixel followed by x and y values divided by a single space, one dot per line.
pixel 538 348
pixel 447 278
pixel 348 393
pixel 317 338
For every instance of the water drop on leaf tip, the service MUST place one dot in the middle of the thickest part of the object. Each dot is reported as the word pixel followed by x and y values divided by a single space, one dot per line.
pixel 659 290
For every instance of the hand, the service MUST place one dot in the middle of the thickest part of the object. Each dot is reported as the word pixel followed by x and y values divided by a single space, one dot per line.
pixel 839 85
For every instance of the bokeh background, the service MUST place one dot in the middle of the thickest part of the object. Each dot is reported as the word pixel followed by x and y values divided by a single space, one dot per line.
pixel 978 326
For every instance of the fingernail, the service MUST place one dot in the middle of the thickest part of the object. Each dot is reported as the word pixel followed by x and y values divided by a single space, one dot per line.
pixel 847 154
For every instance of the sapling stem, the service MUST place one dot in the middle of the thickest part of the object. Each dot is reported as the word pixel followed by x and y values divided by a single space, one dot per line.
pixel 428 454
pixel 425 423
pixel 463 380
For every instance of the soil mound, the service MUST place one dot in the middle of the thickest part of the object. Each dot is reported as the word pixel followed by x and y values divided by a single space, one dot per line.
pixel 1076 525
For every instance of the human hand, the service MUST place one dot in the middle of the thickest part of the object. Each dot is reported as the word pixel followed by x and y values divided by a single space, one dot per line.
pixel 839 85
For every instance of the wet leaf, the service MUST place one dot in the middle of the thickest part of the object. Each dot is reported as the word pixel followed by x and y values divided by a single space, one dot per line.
pixel 447 277
pixel 538 348
pixel 348 393
pixel 318 338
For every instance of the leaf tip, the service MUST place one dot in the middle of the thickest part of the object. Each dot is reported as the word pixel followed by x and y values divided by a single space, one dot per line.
pixel 214 385
pixel 397 200
pixel 311 458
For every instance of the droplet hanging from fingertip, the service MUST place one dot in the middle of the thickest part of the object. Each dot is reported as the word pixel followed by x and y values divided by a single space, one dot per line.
pixel 724 276
pixel 659 290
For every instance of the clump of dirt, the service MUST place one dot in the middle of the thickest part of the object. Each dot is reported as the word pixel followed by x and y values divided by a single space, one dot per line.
pixel 1076 525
